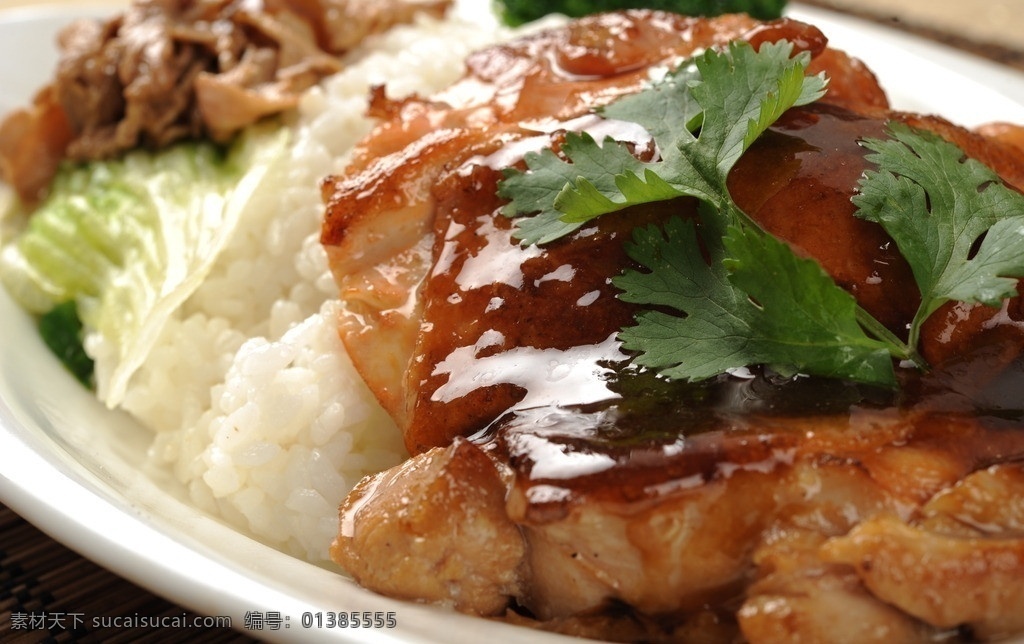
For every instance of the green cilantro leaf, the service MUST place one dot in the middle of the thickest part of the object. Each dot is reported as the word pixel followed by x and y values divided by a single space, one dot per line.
pixel 959 227
pixel 703 117
pixel 721 293
pixel 550 176
pixel 754 302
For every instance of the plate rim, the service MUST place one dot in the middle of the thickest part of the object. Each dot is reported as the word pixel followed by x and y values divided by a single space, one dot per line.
pixel 22 450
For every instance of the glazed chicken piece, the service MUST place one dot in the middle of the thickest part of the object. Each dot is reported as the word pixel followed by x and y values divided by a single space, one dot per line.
pixel 790 520
pixel 625 507
pixel 443 556
pixel 799 597
pixel 384 228
pixel 967 550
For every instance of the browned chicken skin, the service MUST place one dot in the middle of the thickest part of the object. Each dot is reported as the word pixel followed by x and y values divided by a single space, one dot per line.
pixel 405 202
pixel 552 488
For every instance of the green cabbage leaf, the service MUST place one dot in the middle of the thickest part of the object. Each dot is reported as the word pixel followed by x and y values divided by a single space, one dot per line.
pixel 128 240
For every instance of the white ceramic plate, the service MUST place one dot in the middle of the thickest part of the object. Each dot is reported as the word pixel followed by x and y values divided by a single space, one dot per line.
pixel 70 466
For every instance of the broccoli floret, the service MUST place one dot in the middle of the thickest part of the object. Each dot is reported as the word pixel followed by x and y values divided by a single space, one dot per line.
pixel 61 330
pixel 517 12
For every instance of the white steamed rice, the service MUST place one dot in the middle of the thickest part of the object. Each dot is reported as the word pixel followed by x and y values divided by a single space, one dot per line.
pixel 256 408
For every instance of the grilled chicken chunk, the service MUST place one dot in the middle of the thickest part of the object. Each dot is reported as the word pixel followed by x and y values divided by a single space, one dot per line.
pixel 386 227
pixel 806 527
pixel 552 486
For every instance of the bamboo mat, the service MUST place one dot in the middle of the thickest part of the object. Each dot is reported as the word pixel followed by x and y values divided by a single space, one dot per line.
pixel 49 593
pixel 40 577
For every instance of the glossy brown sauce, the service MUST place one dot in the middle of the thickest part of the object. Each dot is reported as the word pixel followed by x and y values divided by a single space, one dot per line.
pixel 517 345
pixel 675 437
pixel 536 346
pixel 797 180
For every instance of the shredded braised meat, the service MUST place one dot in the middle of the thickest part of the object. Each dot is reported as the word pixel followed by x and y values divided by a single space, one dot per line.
pixel 167 70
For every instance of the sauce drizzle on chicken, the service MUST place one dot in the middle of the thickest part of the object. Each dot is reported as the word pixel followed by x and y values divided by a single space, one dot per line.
pixel 554 486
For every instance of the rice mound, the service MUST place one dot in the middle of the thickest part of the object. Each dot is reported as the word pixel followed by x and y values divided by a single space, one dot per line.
pixel 257 410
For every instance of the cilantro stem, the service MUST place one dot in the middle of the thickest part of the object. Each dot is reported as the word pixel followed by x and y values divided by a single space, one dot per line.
pixel 897 347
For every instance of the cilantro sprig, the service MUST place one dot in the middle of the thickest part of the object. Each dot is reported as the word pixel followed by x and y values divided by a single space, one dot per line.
pixel 703 117
pixel 756 302
pixel 722 293
pixel 959 227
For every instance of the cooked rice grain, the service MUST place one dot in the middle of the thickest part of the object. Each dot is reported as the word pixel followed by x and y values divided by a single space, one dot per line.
pixel 257 409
